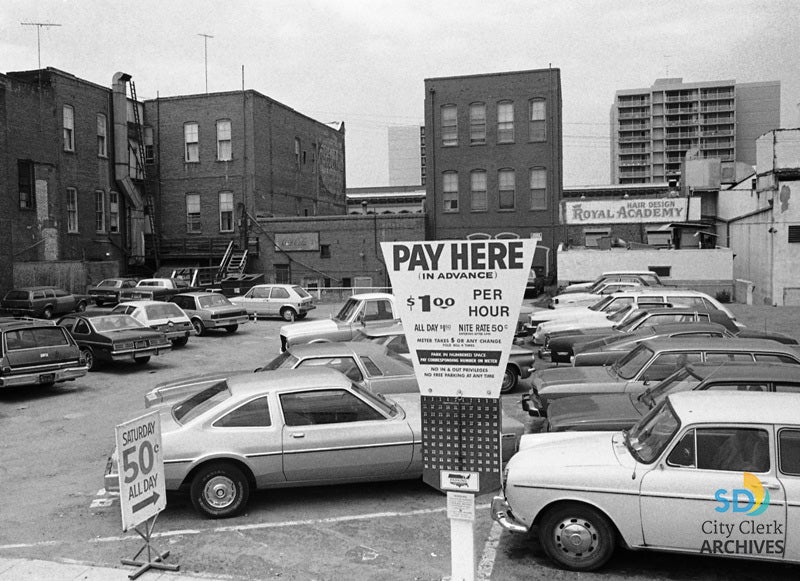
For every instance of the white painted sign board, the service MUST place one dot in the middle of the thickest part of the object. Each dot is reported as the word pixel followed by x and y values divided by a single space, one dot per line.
pixel 142 493
pixel 459 301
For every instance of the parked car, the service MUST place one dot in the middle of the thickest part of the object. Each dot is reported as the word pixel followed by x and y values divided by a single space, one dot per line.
pixel 155 289
pixel 165 317
pixel 114 337
pixel 358 310
pixel 287 301
pixel 107 290
pixel 651 361
pixel 591 296
pixel 622 411
pixel 520 364
pixel 42 301
pixel 288 428
pixel 374 367
pixel 211 311
pixel 643 277
pixel 34 352
pixel 676 482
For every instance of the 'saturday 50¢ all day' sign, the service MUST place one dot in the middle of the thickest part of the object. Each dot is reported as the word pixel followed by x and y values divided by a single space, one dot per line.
pixel 459 301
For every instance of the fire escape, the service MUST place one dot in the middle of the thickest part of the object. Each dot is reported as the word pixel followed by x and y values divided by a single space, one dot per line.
pixel 137 148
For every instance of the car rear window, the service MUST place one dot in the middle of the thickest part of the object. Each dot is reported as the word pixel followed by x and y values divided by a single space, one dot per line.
pixel 163 311
pixel 201 402
pixel 34 338
pixel 111 283
pixel 213 300
pixel 116 322
pixel 301 291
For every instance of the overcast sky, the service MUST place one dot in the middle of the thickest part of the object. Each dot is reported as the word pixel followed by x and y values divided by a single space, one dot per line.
pixel 364 63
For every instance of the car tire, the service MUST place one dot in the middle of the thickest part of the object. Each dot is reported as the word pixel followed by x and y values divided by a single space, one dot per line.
pixel 88 357
pixel 232 328
pixel 141 360
pixel 47 313
pixel 510 380
pixel 199 327
pixel 219 490
pixel 288 314
pixel 80 307
pixel 180 341
pixel 577 536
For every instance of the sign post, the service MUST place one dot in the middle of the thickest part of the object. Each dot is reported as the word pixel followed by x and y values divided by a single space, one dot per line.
pixel 142 493
pixel 459 301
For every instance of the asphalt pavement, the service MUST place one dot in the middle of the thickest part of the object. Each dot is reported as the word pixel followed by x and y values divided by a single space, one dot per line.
pixel 36 570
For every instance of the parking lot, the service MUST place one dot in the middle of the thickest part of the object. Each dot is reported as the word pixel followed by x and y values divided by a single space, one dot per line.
pixel 55 443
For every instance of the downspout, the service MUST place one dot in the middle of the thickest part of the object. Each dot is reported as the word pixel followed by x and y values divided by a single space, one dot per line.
pixel 433 178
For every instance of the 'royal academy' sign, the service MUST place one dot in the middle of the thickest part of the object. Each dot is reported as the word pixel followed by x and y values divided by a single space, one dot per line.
pixel 629 211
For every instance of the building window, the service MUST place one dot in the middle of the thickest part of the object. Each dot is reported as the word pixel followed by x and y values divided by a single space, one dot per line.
pixel 283 274
pixel 537 120
pixel 192 142
pixel 538 188
pixel 100 211
pixel 450 191
pixel 449 126
pixel 113 212
pixel 72 210
pixel 69 128
pixel 659 238
pixel 226 211
pixel 505 122
pixel 592 237
pixel 102 148
pixel 224 140
pixel 477 191
pixel 25 181
pixel 193 213
pixel 506 182
pixel 297 151
pixel 794 234
pixel 149 152
pixel 477 123
pixel 325 252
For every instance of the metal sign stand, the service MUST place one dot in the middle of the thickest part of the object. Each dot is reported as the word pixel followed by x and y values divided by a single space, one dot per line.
pixel 150 563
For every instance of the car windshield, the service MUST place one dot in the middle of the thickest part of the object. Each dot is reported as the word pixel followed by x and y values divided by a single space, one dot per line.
pixel 301 292
pixel 632 363
pixel 213 300
pixel 602 304
pixel 633 321
pixel 116 323
pixel 384 404
pixel 648 438
pixel 163 311
pixel 188 409
pixel 283 361
pixel 682 380
pixel 110 282
pixel 348 309
pixel 620 314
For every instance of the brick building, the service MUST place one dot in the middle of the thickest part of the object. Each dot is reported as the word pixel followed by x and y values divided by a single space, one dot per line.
pixel 494 156
pixel 216 154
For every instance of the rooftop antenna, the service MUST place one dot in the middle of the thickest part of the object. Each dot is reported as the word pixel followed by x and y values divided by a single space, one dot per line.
pixel 205 47
pixel 39 26
pixel 666 63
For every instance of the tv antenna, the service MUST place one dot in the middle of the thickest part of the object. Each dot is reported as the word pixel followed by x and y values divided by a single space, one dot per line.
pixel 205 50
pixel 666 63
pixel 39 26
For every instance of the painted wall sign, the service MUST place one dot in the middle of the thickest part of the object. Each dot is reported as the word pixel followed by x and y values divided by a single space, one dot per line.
pixel 627 211
pixel 296 241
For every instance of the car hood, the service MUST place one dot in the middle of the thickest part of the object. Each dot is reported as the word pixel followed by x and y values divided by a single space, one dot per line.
pixel 308 328
pixel 594 412
pixel 593 320
pixel 226 309
pixel 573 297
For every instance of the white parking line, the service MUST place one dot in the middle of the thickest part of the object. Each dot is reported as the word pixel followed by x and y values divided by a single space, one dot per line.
pixel 486 564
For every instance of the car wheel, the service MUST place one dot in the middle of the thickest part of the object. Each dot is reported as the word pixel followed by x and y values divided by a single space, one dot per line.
pixel 88 357
pixel 180 341
pixel 577 537
pixel 219 490
pixel 232 328
pixel 142 360
pixel 510 380
pixel 288 314
pixel 80 307
pixel 199 327
pixel 47 313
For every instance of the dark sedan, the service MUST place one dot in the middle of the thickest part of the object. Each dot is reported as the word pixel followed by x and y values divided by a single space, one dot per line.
pixel 107 290
pixel 114 338
pixel 621 411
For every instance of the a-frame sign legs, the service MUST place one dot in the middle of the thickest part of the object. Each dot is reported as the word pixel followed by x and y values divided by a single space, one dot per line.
pixel 150 563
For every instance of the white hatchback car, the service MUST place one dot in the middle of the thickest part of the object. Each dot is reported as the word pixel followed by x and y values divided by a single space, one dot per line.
pixel 287 301
pixel 168 318
pixel 708 473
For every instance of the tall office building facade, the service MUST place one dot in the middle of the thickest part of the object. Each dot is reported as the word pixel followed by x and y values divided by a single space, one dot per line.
pixel 652 129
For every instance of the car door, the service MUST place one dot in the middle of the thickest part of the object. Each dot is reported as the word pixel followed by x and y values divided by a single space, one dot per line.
pixel 789 474
pixel 277 298
pixel 332 435
pixel 255 300
pixel 716 491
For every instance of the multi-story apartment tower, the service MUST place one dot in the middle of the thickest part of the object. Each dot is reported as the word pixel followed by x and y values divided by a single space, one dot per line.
pixel 494 155
pixel 653 128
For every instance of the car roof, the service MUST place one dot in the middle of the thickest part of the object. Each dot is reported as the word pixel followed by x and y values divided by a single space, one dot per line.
pixel 143 303
pixel 667 328
pixel 305 378
pixel 737 407
pixel 367 296
pixel 270 284
pixel 744 371
pixel 337 349
pixel 9 324
pixel 34 288
pixel 716 343
pixel 615 272
pixel 198 294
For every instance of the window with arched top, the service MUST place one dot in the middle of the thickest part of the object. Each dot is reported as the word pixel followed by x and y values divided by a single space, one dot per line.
pixel 506 189
pixel 477 123
pixel 479 236
pixel 450 191
pixel 538 188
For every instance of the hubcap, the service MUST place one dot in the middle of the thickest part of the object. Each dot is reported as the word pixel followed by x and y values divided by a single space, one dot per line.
pixel 220 492
pixel 576 537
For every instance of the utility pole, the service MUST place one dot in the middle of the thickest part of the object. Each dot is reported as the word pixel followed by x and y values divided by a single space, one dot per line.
pixel 39 26
pixel 205 47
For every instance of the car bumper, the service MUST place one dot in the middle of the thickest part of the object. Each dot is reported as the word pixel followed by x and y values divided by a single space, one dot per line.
pixel 226 322
pixel 501 514
pixel 134 353
pixel 56 376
